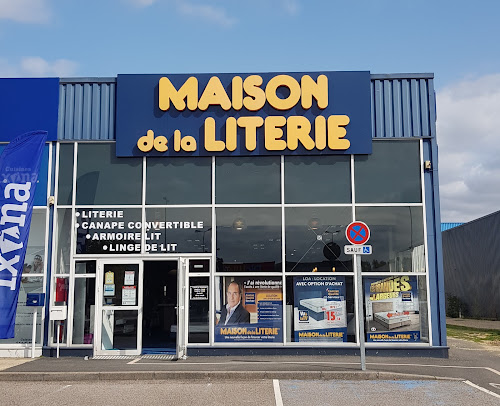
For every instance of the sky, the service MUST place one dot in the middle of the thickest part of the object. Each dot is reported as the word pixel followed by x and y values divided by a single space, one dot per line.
pixel 458 41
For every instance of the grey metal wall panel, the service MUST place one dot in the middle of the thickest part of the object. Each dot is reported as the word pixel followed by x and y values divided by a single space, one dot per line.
pixel 403 106
pixel 87 109
pixel 471 256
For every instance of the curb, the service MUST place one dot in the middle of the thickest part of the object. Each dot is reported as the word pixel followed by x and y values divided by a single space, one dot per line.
pixel 213 375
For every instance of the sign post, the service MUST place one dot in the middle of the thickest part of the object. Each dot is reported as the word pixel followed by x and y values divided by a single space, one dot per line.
pixel 358 233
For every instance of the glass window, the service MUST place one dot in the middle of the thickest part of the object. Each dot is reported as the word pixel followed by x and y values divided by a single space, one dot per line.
pixel 85 267
pixel 391 174
pixel 178 230
pixel 199 265
pixel 102 178
pixel 249 239
pixel 315 237
pixel 320 309
pixel 198 309
pixel 108 231
pixel 63 242
pixel 247 180
pixel 179 180
pixel 34 259
pixel 397 238
pixel 396 309
pixel 254 303
pixel 83 311
pixel 65 182
pixel 120 285
pixel 318 179
pixel 60 298
pixel 24 315
pixel 119 329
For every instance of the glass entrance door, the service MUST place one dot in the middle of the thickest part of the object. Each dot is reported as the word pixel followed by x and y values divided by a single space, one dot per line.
pixel 118 307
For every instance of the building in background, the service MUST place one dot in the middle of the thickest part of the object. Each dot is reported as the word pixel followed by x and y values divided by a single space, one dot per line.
pixel 472 268
pixel 147 234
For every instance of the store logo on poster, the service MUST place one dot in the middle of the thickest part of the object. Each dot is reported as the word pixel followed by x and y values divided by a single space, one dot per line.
pixel 244 114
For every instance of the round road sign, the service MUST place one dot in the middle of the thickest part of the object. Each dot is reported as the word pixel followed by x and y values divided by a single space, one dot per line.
pixel 357 233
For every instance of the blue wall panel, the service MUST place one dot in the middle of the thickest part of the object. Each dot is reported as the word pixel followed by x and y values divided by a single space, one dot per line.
pixel 87 110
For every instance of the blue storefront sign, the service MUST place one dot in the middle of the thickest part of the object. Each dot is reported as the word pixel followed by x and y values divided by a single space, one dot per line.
pixel 19 167
pixel 316 113
pixel 28 105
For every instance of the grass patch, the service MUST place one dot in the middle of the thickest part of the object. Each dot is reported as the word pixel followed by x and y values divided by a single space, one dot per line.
pixel 478 335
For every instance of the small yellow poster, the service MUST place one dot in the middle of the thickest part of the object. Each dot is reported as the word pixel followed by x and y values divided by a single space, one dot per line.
pixel 109 278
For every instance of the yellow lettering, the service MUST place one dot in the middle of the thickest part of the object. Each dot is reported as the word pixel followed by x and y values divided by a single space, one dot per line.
pixel 250 125
pixel 336 132
pixel 231 132
pixel 273 133
pixel 177 140
pixel 405 286
pixel 214 95
pixel 167 92
pixel 318 90
pixel 188 143
pixel 146 142
pixel 237 93
pixel 298 129
pixel 256 97
pixel 320 132
pixel 211 144
pixel 285 81
pixel 161 143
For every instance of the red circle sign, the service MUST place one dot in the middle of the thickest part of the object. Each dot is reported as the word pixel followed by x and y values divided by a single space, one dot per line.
pixel 357 233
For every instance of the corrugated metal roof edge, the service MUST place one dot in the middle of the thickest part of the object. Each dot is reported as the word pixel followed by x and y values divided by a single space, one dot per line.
pixel 373 76
pixel 474 221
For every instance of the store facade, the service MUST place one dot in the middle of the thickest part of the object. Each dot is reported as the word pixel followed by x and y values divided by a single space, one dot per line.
pixel 207 214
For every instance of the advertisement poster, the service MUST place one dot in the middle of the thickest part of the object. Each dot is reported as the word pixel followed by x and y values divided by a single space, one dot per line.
pixel 392 309
pixel 249 309
pixel 129 295
pixel 320 308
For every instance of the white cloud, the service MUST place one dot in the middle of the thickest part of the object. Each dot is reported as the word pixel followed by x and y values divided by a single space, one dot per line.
pixel 208 13
pixel 211 14
pixel 291 6
pixel 38 67
pixel 25 11
pixel 468 134
pixel 142 3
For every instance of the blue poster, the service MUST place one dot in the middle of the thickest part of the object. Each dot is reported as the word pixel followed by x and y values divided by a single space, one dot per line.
pixel 19 167
pixel 251 310
pixel 320 308
pixel 392 309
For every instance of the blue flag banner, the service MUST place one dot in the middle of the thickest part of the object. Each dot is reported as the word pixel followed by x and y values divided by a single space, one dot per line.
pixel 19 166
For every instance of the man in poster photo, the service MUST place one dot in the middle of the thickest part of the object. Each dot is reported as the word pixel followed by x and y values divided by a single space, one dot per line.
pixel 234 312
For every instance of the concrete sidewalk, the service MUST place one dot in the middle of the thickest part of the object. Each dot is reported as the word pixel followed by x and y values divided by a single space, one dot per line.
pixel 195 368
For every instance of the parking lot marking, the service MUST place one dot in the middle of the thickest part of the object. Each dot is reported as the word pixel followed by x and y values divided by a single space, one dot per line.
pixel 496 395
pixel 277 392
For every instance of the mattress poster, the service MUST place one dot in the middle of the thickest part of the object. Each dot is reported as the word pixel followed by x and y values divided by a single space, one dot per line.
pixel 320 308
pixel 392 309
pixel 249 309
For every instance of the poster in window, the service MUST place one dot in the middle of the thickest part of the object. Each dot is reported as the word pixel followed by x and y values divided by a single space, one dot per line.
pixel 392 309
pixel 320 308
pixel 250 310
pixel 129 295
